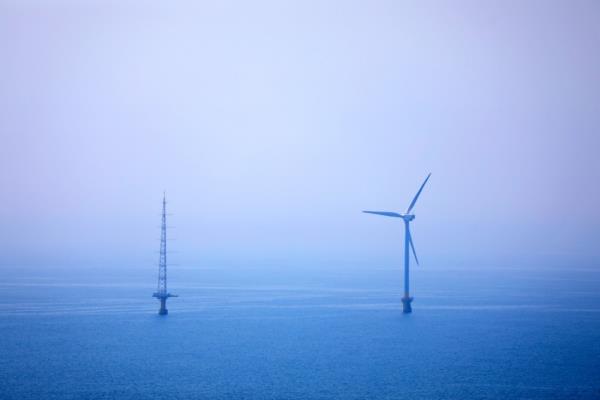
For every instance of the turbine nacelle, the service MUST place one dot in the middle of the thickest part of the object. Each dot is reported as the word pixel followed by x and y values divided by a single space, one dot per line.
pixel 408 217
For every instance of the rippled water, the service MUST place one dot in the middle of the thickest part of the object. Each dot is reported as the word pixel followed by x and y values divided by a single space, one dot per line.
pixel 473 334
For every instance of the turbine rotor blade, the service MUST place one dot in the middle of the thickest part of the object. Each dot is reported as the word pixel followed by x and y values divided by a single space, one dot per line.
pixel 412 246
pixel 385 213
pixel 412 204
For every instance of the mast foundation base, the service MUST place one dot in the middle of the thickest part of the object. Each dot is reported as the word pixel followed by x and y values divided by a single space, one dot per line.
pixel 163 307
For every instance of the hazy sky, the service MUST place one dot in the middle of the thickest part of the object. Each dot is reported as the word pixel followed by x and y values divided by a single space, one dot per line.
pixel 272 124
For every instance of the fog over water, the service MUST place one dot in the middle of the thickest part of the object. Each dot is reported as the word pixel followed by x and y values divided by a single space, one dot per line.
pixel 271 125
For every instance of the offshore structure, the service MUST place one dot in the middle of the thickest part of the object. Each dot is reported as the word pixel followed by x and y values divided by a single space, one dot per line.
pixel 408 242
pixel 161 292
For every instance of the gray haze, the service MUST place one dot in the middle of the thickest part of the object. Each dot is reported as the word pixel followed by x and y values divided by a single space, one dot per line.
pixel 271 125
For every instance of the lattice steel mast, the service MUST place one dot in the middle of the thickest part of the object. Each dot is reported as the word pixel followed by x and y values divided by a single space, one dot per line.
pixel 161 292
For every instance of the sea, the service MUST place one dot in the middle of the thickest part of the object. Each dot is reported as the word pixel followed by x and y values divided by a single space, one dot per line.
pixel 497 332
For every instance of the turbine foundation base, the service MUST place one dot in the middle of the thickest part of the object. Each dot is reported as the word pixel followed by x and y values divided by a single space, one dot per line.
pixel 406 307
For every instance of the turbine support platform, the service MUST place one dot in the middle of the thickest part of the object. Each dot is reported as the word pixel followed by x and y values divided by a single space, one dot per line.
pixel 406 307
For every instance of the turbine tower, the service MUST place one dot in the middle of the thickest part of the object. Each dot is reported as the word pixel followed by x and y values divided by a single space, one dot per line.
pixel 161 293
pixel 407 217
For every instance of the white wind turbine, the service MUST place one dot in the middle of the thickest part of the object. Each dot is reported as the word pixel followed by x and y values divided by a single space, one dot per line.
pixel 407 217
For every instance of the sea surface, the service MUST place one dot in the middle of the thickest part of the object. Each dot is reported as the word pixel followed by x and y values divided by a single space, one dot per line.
pixel 489 333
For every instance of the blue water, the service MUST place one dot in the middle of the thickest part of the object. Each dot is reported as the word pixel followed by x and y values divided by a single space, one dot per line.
pixel 479 334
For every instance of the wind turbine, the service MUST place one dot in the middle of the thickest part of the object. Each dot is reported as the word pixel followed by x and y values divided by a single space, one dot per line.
pixel 407 217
